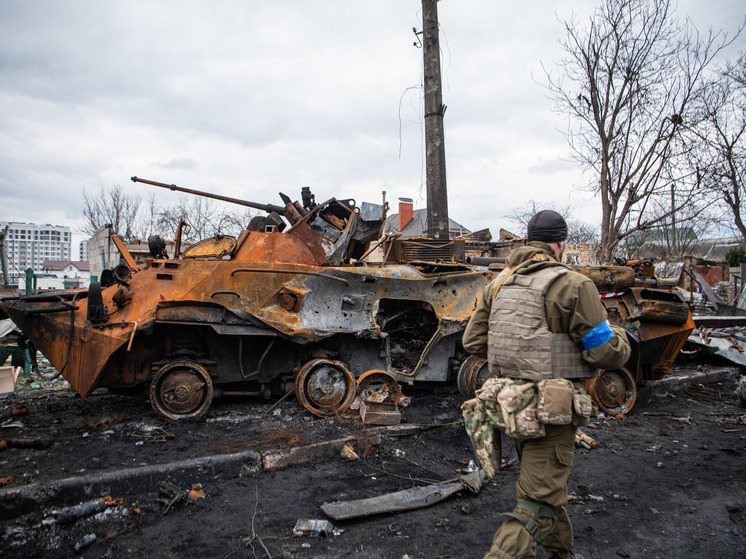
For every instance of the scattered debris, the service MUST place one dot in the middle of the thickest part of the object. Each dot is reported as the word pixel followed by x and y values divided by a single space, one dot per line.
pixel 19 410
pixel 583 440
pixel 687 419
pixel 408 499
pixel 702 392
pixel 6 481
pixel 37 444
pixel 379 413
pixel 349 452
pixel 8 379
pixel 71 514
pixel 170 495
pixel 85 542
pixel 315 528
pixel 741 389
pixel 718 341
pixel 196 492
pixel 155 435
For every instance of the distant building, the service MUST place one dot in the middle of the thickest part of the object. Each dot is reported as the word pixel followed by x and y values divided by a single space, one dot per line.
pixel 83 251
pixel 413 223
pixel 60 274
pixel 103 252
pixel 28 245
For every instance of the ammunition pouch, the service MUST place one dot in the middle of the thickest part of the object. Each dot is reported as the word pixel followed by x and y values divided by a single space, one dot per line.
pixel 511 405
pixel 555 405
pixel 582 407
pixel 522 408
pixel 519 402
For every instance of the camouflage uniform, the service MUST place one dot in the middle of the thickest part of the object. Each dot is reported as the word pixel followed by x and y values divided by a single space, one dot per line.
pixel 573 307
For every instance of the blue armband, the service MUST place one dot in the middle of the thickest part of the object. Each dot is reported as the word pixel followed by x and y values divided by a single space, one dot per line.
pixel 598 336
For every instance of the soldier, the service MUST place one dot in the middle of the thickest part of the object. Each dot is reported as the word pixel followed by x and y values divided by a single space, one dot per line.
pixel 541 320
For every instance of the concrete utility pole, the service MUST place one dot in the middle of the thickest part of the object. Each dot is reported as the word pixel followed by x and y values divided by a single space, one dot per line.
pixel 435 150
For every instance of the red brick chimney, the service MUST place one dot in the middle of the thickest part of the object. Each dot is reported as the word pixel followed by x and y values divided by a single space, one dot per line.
pixel 406 212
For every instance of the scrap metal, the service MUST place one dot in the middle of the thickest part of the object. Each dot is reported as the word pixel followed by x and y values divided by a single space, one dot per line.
pixel 408 499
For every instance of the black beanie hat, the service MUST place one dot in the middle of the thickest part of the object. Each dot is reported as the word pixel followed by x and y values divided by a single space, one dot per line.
pixel 547 226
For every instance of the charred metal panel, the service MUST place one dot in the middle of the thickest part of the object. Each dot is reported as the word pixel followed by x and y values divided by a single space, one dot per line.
pixel 609 278
pixel 413 249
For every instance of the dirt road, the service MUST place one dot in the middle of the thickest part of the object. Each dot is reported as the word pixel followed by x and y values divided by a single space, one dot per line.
pixel 668 481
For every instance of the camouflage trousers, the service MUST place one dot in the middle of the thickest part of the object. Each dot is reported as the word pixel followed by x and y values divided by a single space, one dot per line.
pixel 545 469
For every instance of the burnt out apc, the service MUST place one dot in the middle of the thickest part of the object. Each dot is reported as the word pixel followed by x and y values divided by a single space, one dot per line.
pixel 293 303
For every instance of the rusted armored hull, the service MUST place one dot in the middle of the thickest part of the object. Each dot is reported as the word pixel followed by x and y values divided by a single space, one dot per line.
pixel 254 321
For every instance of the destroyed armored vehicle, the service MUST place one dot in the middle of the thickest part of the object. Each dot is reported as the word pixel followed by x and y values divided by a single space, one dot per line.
pixel 301 308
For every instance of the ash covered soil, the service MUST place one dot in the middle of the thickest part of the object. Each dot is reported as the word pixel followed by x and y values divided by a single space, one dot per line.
pixel 668 481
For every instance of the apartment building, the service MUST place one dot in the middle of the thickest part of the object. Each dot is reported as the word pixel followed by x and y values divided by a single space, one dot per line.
pixel 28 245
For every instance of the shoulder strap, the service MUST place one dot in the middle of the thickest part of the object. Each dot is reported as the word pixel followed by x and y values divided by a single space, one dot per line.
pixel 540 257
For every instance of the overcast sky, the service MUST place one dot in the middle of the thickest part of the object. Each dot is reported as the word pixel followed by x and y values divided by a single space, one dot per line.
pixel 251 98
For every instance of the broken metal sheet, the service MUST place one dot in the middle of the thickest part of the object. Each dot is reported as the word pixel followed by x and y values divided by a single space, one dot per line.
pixel 724 347
pixel 6 327
pixel 379 413
pixel 707 321
pixel 408 499
pixel 313 527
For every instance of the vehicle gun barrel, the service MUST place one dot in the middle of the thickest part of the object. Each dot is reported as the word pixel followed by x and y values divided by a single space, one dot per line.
pixel 264 207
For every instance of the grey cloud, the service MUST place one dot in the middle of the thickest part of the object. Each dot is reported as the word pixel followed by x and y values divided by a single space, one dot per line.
pixel 249 98
pixel 551 166
pixel 183 163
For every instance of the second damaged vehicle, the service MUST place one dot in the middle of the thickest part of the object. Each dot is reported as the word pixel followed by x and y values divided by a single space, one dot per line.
pixel 301 308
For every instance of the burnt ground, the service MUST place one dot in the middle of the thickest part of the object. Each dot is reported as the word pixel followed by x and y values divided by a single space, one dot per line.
pixel 659 486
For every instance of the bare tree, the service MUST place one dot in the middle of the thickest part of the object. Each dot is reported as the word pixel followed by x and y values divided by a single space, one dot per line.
pixel 577 230
pixel 204 219
pixel 720 155
pixel 627 83
pixel 131 220
pixel 111 205
pixel 676 233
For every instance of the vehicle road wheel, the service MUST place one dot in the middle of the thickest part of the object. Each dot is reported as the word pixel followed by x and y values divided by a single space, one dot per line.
pixel 615 391
pixel 325 387
pixel 381 383
pixel 471 376
pixel 181 389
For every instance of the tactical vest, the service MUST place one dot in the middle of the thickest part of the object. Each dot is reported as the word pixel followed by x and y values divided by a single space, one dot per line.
pixel 520 344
